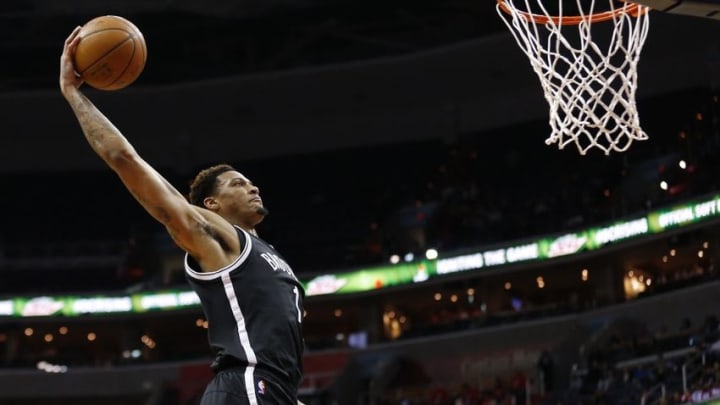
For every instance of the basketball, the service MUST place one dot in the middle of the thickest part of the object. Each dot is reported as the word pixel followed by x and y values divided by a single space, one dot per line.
pixel 111 53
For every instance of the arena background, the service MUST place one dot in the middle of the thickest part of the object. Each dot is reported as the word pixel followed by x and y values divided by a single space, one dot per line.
pixel 376 131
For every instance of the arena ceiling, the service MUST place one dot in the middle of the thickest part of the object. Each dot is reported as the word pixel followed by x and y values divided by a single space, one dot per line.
pixel 189 40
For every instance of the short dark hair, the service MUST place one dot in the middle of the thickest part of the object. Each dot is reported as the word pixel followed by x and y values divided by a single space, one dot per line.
pixel 205 183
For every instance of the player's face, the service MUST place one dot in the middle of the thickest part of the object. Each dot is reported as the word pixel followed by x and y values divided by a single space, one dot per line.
pixel 238 196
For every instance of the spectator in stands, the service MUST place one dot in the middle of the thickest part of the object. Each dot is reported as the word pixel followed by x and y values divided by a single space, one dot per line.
pixel 141 263
pixel 710 328
pixel 469 395
pixel 517 386
pixel 546 366
pixel 439 396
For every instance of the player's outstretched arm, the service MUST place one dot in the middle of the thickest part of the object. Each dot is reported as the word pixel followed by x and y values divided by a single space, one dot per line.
pixel 194 229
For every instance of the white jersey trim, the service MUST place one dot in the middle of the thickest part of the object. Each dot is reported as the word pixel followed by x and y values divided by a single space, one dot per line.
pixel 212 275
pixel 243 336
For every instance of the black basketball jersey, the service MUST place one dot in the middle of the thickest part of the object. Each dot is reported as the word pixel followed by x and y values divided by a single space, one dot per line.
pixel 254 308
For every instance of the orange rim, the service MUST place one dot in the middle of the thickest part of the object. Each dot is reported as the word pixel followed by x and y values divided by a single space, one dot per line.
pixel 633 9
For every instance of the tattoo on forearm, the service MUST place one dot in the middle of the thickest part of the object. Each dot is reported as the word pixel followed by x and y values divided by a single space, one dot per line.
pixel 95 125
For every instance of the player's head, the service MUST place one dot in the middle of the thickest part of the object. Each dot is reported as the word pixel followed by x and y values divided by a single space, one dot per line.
pixel 224 190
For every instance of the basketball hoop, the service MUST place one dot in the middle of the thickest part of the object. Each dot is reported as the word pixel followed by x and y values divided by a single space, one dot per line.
pixel 589 82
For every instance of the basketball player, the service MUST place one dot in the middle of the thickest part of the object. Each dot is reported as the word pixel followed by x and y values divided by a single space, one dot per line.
pixel 249 294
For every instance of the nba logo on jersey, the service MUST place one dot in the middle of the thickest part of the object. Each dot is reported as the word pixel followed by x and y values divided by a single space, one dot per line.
pixel 261 387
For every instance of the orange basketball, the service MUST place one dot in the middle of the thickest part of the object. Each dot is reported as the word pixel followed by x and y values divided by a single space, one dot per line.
pixel 111 53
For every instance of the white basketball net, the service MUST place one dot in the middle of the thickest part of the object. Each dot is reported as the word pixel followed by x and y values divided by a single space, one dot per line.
pixel 589 85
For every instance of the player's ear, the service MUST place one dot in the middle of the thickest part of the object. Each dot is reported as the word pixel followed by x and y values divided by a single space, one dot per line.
pixel 211 203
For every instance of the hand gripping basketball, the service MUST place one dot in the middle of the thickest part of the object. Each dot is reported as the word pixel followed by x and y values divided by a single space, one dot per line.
pixel 111 53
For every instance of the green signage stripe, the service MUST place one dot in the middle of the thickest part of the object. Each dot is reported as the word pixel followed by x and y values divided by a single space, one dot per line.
pixel 390 275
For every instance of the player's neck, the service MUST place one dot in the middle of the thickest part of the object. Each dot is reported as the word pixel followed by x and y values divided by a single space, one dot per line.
pixel 249 229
